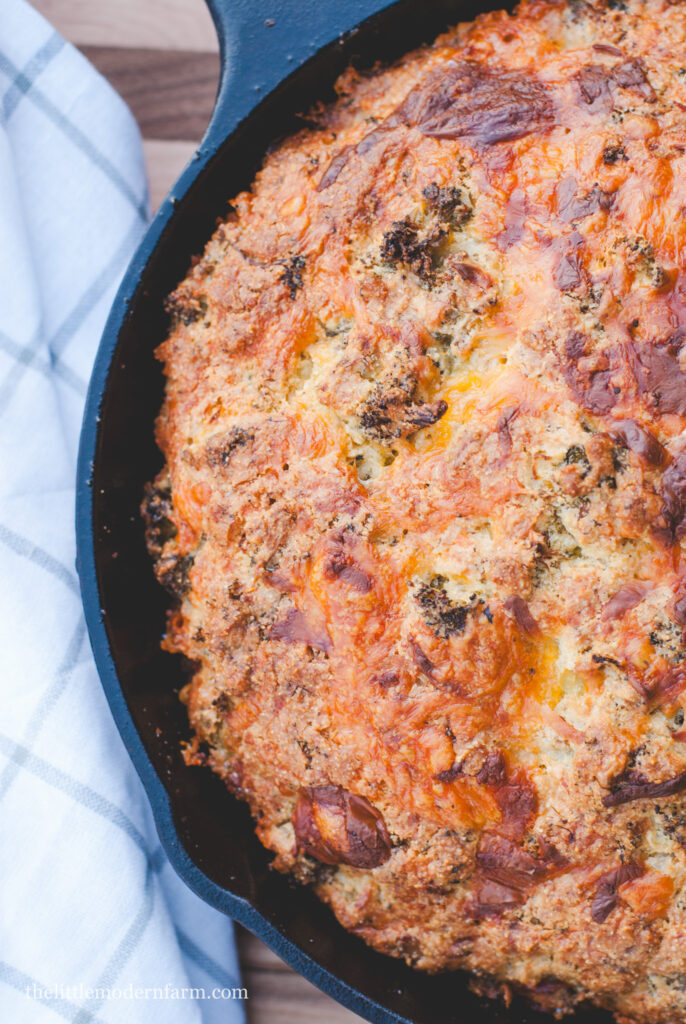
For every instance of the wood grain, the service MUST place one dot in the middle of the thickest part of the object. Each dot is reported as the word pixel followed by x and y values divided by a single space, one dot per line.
pixel 162 24
pixel 170 93
pixel 277 995
pixel 161 56
pixel 164 162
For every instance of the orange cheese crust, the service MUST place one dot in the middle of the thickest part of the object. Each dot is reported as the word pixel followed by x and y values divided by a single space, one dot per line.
pixel 424 503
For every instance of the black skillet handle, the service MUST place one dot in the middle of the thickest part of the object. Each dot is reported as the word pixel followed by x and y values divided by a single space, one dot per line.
pixel 262 41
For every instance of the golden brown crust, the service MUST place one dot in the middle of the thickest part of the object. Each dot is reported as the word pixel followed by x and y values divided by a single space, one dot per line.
pixel 425 499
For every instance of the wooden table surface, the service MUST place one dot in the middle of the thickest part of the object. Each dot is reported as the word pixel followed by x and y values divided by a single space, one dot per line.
pixel 161 56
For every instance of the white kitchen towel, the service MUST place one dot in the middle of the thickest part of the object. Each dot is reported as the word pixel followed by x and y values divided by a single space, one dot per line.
pixel 91 913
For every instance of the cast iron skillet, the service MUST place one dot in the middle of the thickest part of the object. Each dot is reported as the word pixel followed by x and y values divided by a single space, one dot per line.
pixel 278 57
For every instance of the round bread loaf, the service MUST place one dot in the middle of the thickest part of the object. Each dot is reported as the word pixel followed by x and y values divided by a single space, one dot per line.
pixel 424 504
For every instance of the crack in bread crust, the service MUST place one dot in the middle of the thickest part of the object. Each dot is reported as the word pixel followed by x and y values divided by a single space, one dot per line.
pixel 424 502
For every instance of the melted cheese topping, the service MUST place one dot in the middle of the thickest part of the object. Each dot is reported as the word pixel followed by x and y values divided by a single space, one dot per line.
pixel 425 494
